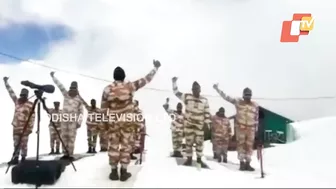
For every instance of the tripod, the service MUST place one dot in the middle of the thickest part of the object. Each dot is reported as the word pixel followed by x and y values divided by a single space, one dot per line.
pixel 38 101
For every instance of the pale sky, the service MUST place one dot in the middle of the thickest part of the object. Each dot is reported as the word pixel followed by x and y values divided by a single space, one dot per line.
pixel 235 43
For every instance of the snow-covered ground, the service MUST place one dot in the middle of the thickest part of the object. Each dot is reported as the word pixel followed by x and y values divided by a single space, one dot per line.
pixel 307 162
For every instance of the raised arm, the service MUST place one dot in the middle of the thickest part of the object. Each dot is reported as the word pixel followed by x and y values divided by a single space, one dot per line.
pixel 138 84
pixel 225 96
pixel 166 107
pixel 59 84
pixel 10 90
pixel 177 93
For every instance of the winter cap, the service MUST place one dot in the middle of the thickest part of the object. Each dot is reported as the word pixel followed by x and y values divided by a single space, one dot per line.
pixel 196 84
pixel 74 85
pixel 119 74
pixel 24 92
pixel 247 91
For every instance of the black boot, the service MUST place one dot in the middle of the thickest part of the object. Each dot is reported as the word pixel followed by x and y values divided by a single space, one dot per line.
pixel 114 174
pixel 215 156
pixel 89 150
pixel 248 167
pixel 203 165
pixel 188 162
pixel 219 159
pixel 94 150
pixel 242 166
pixel 14 161
pixel 58 151
pixel 133 157
pixel 137 151
pixel 224 159
pixel 124 175
pixel 177 154
pixel 23 158
pixel 52 151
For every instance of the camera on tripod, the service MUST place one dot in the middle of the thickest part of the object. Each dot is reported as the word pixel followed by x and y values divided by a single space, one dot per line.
pixel 39 88
pixel 35 171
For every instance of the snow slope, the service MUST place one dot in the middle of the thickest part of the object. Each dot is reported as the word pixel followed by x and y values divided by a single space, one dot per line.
pixel 303 163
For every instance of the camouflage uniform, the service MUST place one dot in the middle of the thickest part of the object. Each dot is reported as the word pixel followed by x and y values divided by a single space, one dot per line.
pixel 54 138
pixel 20 118
pixel 176 128
pixel 221 134
pixel 73 109
pixel 246 122
pixel 103 136
pixel 197 115
pixel 117 98
pixel 138 130
pixel 92 123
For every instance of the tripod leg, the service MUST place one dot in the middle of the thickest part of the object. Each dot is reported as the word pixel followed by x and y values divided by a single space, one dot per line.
pixel 16 149
pixel 57 132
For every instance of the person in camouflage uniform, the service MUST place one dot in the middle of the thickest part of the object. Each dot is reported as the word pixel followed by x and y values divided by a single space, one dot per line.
pixel 103 136
pixel 117 102
pixel 246 121
pixel 55 141
pixel 140 135
pixel 92 124
pixel 221 134
pixel 23 108
pixel 71 116
pixel 176 127
pixel 135 139
pixel 196 117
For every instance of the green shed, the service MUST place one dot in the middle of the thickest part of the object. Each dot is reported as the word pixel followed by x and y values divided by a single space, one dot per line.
pixel 277 127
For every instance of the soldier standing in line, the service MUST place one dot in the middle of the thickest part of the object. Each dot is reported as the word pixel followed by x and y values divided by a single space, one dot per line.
pixel 56 118
pixel 196 117
pixel 71 116
pixel 92 124
pixel 176 127
pixel 246 121
pixel 103 136
pixel 23 108
pixel 117 101
pixel 221 134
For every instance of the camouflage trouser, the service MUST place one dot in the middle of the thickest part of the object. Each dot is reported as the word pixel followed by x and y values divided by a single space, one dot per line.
pixel 177 139
pixel 221 145
pixel 245 141
pixel 23 148
pixel 103 136
pixel 68 133
pixel 54 138
pixel 92 134
pixel 194 135
pixel 135 140
pixel 213 143
pixel 120 147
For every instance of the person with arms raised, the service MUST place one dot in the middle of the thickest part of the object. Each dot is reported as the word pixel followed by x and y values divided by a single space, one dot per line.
pixel 196 117
pixel 246 123
pixel 117 102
